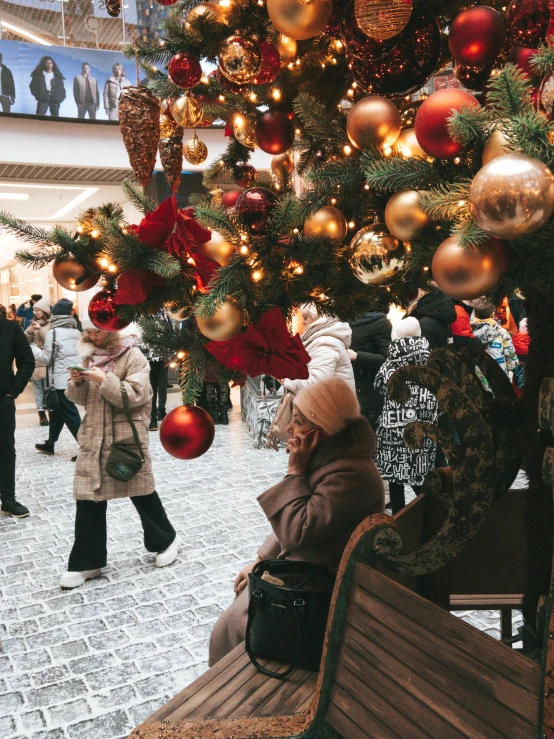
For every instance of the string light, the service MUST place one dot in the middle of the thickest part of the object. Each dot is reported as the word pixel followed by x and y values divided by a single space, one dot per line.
pixel 173 365
pixel 366 186
pixel 350 93
pixel 426 269
pixel 295 231
pixel 244 250
pixel 333 201
pixel 297 131
pixel 387 151
pixel 221 98
pixel 351 224
pixel 181 354
pixel 205 80
pixel 347 150
pixel 80 229
pixel 276 94
pixel 355 85
pixel 457 160
pixel 257 275
pixel 104 262
pixel 112 268
pixel 461 203
pixel 95 234
pixel 253 96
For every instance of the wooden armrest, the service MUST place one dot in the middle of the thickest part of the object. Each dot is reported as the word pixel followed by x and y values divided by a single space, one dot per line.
pixel 240 728
pixel 486 601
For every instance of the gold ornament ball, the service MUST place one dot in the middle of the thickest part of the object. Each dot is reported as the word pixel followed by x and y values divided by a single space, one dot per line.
pixel 327 221
pixel 212 10
pixel 167 126
pixel 195 151
pixel 72 275
pixel 466 273
pixel 287 48
pixel 226 321
pixel 408 146
pixel 218 249
pixel 187 112
pixel 497 145
pixel 403 215
pixel 382 19
pixel 299 20
pixel 375 255
pixel 176 313
pixel 373 121
pixel 216 195
pixel 512 196
pixel 282 161
pixel 244 130
pixel 239 60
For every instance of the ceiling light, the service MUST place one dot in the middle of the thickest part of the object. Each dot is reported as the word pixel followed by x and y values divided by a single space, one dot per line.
pixel 73 203
pixel 26 34
pixel 14 196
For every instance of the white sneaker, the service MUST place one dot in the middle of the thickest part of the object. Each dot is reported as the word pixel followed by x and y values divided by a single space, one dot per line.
pixel 169 555
pixel 76 579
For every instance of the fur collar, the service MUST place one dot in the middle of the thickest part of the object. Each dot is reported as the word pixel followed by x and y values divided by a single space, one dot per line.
pixel 357 440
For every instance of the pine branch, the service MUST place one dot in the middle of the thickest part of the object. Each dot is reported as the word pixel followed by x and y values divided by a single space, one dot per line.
pixel 509 94
pixel 316 121
pixel 469 233
pixel 542 62
pixel 284 217
pixel 532 133
pixel 136 196
pixel 447 202
pixel 396 173
pixel 470 126
pixel 26 231
pixel 216 218
pixel 192 369
pixel 38 258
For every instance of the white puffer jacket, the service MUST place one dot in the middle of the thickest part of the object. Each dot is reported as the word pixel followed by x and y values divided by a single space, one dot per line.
pixel 65 351
pixel 327 341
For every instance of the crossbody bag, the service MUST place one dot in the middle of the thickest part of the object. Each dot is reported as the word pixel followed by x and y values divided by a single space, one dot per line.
pixel 126 457
pixel 51 400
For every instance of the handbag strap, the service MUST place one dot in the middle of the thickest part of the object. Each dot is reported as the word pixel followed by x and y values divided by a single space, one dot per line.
pixel 52 357
pixel 125 399
pixel 257 595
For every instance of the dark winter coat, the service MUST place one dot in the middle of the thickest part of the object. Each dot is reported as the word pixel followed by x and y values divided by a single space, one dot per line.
pixel 393 458
pixel 40 92
pixel 371 337
pixel 435 312
pixel 14 347
pixel 8 86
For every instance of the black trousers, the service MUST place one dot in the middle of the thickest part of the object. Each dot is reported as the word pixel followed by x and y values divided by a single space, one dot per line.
pixel 44 106
pixel 7 445
pixel 396 493
pixel 90 548
pixel 65 413
pixel 158 380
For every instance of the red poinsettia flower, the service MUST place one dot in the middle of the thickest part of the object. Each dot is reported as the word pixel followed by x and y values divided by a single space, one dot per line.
pixel 135 285
pixel 186 235
pixel 266 348
pixel 205 269
pixel 156 227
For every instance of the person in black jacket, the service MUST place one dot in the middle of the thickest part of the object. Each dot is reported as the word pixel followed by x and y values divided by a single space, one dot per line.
pixel 371 337
pixel 13 347
pixel 7 88
pixel 47 86
pixel 435 312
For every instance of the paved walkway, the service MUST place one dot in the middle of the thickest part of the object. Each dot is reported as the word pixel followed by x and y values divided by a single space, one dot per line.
pixel 94 662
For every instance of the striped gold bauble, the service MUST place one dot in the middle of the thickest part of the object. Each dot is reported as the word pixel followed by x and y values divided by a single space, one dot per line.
pixel 195 151
pixel 382 19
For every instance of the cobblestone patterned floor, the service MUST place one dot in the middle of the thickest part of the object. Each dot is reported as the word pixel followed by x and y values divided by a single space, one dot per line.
pixel 94 662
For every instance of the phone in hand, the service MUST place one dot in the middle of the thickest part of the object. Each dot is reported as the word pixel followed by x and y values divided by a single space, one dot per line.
pixel 322 435
pixel 78 368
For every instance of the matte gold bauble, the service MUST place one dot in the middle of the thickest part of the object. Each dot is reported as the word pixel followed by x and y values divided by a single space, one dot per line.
pixel 512 196
pixel 408 146
pixel 497 145
pixel 218 249
pixel 466 273
pixel 375 255
pixel 187 112
pixel 373 121
pixel 299 20
pixel 327 221
pixel 282 161
pixel 195 151
pixel 239 60
pixel 70 274
pixel 176 313
pixel 287 48
pixel 403 215
pixel 226 321
pixel 214 11
pixel 382 19
pixel 244 130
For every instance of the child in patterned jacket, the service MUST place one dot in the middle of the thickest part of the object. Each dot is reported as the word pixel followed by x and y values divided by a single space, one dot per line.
pixel 497 342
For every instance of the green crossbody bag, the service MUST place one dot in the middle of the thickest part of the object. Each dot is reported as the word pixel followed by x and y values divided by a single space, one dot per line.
pixel 126 457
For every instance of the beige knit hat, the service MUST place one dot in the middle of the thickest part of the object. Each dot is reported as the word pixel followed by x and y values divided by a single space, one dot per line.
pixel 329 403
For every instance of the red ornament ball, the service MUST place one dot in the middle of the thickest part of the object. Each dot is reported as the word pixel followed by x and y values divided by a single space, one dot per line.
pixel 528 21
pixel 472 78
pixel 187 432
pixel 521 57
pixel 229 200
pixel 254 207
pixel 476 36
pixel 102 311
pixel 184 70
pixel 431 122
pixel 274 132
pixel 270 65
pixel 245 175
pixel 166 3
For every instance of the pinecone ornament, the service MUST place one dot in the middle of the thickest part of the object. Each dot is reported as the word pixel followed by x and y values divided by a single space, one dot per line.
pixel 171 154
pixel 113 8
pixel 195 151
pixel 139 120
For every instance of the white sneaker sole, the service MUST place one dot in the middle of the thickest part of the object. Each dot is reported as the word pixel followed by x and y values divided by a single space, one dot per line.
pixel 70 580
pixel 164 559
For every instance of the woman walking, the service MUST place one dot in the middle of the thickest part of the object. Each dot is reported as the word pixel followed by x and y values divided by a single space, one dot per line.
pixel 36 334
pixel 117 371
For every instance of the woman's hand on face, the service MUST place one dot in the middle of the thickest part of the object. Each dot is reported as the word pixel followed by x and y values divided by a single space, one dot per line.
pixel 241 580
pixel 95 375
pixel 300 449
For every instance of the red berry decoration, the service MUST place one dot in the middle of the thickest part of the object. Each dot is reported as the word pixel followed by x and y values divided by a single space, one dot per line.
pixel 187 432
pixel 253 208
pixel 184 70
pixel 229 200
pixel 101 311
pixel 274 132
pixel 245 175
pixel 476 36
pixel 527 21
pixel 431 122
pixel 270 65
pixel 521 57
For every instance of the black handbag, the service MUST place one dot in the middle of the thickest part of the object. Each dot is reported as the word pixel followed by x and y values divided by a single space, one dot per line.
pixel 51 400
pixel 125 458
pixel 287 622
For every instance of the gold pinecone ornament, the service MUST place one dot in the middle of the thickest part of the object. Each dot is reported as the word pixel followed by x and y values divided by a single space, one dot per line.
pixel 139 121
pixel 195 151
pixel 171 154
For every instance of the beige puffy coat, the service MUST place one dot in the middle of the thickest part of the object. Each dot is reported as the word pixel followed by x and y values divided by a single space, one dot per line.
pixel 37 336
pixel 95 435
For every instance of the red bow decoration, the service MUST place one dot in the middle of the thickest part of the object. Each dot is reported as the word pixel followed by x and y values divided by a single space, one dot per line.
pixel 266 348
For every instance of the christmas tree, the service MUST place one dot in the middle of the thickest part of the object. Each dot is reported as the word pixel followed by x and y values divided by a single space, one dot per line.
pixel 401 187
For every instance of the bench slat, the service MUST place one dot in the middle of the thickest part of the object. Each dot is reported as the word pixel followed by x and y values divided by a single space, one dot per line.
pixel 290 696
pixel 369 725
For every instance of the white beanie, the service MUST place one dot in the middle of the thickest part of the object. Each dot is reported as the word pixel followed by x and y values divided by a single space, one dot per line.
pixel 408 327
pixel 329 403
pixel 309 310
pixel 87 324
pixel 44 305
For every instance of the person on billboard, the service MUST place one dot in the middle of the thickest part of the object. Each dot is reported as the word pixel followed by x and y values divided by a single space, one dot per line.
pixel 112 90
pixel 86 93
pixel 7 88
pixel 47 86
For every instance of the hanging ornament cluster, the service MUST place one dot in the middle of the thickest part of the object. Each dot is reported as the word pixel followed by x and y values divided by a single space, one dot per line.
pixel 187 432
pixel 327 221
pixel 373 121
pixel 187 111
pixel 139 121
pixel 224 323
pixel 431 122
pixel 466 273
pixel 184 70
pixel 375 255
pixel 195 151
pixel 171 156
pixel 72 275
pixel 102 311
pixel 299 20
pixel 239 60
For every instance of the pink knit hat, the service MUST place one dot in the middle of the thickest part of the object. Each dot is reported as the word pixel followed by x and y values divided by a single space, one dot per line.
pixel 329 403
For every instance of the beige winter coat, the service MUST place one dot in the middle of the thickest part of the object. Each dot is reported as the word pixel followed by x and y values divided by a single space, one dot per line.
pixel 313 516
pixel 95 435
pixel 37 337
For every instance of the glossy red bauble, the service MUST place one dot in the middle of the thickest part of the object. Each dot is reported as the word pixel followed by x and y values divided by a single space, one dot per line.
pixel 270 65
pixel 476 36
pixel 230 198
pixel 245 175
pixel 187 432
pixel 254 207
pixel 184 70
pixel 274 132
pixel 472 78
pixel 431 122
pixel 102 311
pixel 166 3
pixel 356 41
pixel 521 57
pixel 527 21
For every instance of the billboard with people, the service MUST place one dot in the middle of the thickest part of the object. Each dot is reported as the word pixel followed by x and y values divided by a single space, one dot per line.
pixel 57 81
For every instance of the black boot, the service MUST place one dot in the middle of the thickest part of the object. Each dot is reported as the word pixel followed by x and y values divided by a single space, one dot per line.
pixel 10 507
pixel 212 402
pixel 46 448
pixel 43 418
pixel 224 399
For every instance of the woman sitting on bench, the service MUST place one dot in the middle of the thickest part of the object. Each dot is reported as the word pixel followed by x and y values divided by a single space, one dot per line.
pixel 331 485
